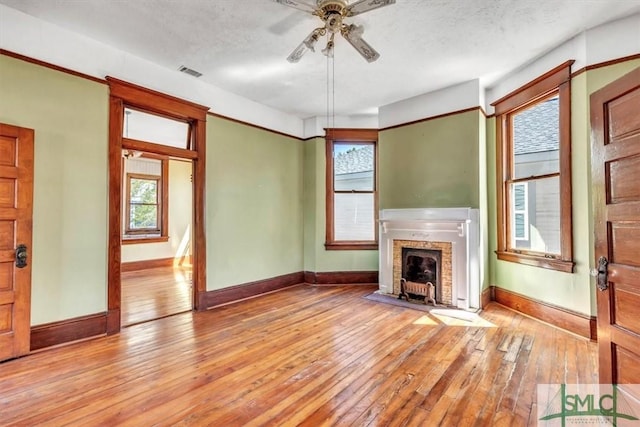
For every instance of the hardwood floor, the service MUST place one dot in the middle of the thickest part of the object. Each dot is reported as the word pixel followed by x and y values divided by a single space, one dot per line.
pixel 307 355
pixel 154 293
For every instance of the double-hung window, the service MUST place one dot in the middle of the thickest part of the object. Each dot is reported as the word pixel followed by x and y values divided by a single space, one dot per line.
pixel 351 189
pixel 144 204
pixel 146 199
pixel 533 131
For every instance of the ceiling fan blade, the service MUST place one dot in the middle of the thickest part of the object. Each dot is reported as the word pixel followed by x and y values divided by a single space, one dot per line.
pixel 364 48
pixel 363 6
pixel 297 53
pixel 298 4
pixel 308 43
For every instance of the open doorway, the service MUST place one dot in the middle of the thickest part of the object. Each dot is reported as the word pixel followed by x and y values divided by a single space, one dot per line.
pixel 156 273
pixel 147 124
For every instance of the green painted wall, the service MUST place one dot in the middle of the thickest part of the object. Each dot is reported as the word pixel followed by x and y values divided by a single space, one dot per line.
pixel 483 203
pixel 431 164
pixel 600 77
pixel 70 119
pixel 254 193
pixel 254 196
pixel 316 257
pixel 266 193
pixel 573 291
pixel 444 156
pixel 492 236
pixel 438 163
pixel 309 207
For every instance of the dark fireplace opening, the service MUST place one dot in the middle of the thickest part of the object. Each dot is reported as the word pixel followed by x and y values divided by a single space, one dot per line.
pixel 422 266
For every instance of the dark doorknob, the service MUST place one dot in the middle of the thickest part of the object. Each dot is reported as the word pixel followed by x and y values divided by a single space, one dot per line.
pixel 603 272
pixel 21 256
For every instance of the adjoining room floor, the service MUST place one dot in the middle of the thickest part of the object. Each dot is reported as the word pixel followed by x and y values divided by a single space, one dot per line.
pixel 154 293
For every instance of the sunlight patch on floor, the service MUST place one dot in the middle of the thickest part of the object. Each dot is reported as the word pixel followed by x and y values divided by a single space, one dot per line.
pixel 425 320
pixel 460 318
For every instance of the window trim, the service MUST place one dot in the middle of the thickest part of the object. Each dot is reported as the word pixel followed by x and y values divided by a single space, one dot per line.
pixel 131 237
pixel 556 80
pixel 351 136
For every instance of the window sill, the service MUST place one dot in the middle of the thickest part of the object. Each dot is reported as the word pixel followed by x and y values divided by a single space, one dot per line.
pixel 537 261
pixel 351 246
pixel 138 240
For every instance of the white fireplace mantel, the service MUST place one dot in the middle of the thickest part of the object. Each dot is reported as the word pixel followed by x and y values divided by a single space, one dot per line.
pixel 459 226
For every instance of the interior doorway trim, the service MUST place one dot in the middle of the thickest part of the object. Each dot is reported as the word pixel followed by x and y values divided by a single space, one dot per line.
pixel 127 94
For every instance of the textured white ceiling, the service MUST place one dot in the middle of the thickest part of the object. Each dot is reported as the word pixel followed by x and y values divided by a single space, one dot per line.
pixel 242 45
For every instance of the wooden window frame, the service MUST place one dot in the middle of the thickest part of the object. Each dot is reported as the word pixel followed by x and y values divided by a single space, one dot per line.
pixel 557 81
pixel 163 208
pixel 349 136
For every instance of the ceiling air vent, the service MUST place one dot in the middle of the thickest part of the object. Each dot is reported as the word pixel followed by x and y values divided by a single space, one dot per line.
pixel 189 71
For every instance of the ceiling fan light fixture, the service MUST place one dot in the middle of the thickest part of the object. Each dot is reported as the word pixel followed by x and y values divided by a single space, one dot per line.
pixel 311 40
pixel 332 13
pixel 328 50
pixel 334 23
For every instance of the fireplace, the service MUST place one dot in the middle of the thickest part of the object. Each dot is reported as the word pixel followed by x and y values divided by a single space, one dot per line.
pixel 432 245
pixel 433 256
pixel 421 265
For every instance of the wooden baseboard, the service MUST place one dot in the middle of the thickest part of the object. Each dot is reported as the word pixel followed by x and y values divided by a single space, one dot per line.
pixel 113 321
pixel 146 264
pixel 66 331
pixel 251 289
pixel 153 263
pixel 309 277
pixel 485 297
pixel 578 323
pixel 341 277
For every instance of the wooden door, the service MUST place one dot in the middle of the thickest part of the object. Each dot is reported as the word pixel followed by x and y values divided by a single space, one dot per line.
pixel 16 207
pixel 615 126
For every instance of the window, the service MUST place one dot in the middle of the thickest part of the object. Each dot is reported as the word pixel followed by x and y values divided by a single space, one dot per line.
pixel 146 201
pixel 144 204
pixel 351 189
pixel 142 126
pixel 533 133
pixel 520 212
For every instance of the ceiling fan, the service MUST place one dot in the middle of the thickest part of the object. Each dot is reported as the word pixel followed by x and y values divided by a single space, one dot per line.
pixel 332 13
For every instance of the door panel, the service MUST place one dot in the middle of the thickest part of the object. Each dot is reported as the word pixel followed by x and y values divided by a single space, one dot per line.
pixel 16 201
pixel 626 301
pixel 622 123
pixel 625 243
pixel 627 365
pixel 622 190
pixel 615 124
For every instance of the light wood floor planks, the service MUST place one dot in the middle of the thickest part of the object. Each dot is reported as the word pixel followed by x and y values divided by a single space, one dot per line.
pixel 307 355
pixel 154 293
